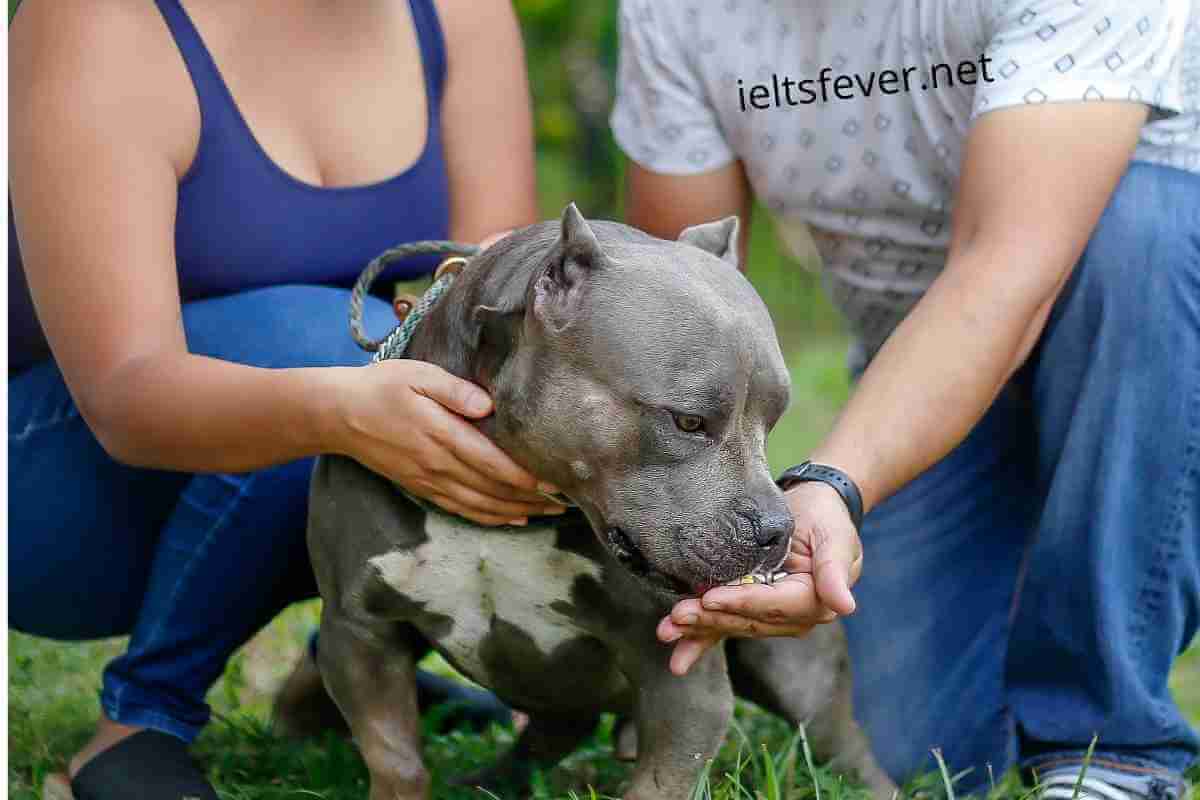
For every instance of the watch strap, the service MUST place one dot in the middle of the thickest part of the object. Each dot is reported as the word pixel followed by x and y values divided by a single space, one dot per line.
pixel 842 483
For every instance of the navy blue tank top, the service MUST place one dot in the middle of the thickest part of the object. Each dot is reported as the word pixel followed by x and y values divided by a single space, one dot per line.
pixel 242 222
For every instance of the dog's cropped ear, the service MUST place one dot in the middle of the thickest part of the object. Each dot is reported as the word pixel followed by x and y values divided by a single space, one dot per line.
pixel 719 238
pixel 577 254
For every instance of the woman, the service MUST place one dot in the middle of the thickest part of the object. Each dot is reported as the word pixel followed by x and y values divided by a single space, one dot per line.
pixel 1026 436
pixel 195 185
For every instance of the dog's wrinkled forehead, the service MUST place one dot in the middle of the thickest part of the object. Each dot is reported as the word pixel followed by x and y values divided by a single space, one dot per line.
pixel 675 311
pixel 653 318
pixel 680 279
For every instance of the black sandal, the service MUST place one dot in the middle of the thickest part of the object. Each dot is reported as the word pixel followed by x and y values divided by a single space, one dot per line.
pixel 148 765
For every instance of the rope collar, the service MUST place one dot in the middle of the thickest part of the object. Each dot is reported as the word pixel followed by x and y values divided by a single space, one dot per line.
pixel 396 343
pixel 402 334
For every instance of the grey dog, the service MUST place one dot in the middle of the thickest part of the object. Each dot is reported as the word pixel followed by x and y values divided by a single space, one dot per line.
pixel 641 376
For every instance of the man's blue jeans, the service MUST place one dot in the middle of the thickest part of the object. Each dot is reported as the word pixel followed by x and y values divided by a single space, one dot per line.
pixel 189 565
pixel 1033 588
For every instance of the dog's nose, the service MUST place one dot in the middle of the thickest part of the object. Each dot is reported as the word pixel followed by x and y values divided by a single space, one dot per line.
pixel 773 527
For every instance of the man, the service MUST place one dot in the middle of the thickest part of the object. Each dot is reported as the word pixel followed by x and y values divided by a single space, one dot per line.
pixel 1025 427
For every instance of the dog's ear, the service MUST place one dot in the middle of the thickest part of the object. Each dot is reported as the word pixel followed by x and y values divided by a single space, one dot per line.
pixel 558 287
pixel 719 238
pixel 493 334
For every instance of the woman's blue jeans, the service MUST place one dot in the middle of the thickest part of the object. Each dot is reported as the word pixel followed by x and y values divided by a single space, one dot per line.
pixel 191 566
pixel 1033 588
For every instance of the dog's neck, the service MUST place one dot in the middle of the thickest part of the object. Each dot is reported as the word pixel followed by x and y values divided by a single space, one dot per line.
pixel 476 345
pixel 477 323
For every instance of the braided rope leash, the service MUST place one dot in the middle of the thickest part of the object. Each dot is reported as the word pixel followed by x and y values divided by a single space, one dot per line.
pixel 395 343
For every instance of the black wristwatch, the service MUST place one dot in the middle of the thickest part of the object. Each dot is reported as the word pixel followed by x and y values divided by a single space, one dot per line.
pixel 840 481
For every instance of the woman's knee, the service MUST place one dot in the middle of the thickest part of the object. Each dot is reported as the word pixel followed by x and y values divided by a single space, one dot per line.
pixel 78 561
pixel 283 326
pixel 79 564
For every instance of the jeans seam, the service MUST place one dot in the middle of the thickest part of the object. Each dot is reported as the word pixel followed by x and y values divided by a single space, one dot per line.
pixel 199 551
pixel 59 418
pixel 188 568
pixel 1169 543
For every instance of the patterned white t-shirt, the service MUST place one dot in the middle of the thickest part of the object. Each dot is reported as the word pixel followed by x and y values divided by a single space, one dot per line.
pixel 845 151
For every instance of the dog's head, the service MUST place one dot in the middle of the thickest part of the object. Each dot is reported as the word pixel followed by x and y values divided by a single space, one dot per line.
pixel 643 379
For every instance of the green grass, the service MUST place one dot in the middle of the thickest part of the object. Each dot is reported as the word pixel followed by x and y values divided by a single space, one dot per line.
pixel 53 705
pixel 53 686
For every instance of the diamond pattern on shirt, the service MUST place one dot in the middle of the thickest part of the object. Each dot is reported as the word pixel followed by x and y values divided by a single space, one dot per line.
pixel 873 177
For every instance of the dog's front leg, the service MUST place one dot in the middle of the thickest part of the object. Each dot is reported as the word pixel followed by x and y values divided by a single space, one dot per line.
pixel 370 671
pixel 681 722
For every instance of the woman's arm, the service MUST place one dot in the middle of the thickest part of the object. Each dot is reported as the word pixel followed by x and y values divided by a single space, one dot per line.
pixel 97 147
pixel 487 125
pixel 1035 180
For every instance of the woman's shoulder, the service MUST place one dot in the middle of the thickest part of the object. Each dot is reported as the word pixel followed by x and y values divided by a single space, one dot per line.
pixel 49 37
pixel 100 63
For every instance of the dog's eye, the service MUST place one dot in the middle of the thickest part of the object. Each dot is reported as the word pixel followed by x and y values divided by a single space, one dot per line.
pixel 689 423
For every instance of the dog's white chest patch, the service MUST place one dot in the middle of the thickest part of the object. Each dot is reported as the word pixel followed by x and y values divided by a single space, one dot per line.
pixel 473 575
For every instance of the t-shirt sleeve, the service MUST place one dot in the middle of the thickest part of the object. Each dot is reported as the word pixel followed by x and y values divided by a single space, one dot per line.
pixel 662 118
pixel 1049 51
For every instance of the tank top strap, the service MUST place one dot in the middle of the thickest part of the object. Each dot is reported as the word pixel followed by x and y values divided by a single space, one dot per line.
pixel 210 87
pixel 432 43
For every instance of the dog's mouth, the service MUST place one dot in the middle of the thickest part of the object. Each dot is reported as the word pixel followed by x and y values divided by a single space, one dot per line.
pixel 630 556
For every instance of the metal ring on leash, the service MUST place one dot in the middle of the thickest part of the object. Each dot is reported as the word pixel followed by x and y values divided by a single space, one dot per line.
pixel 459 252
pixel 403 304
pixel 451 266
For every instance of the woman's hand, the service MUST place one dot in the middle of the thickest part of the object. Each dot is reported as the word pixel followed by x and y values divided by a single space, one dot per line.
pixel 825 561
pixel 408 421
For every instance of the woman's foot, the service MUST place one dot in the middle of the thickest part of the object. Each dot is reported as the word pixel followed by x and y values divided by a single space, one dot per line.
pixel 123 761
pixel 108 733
